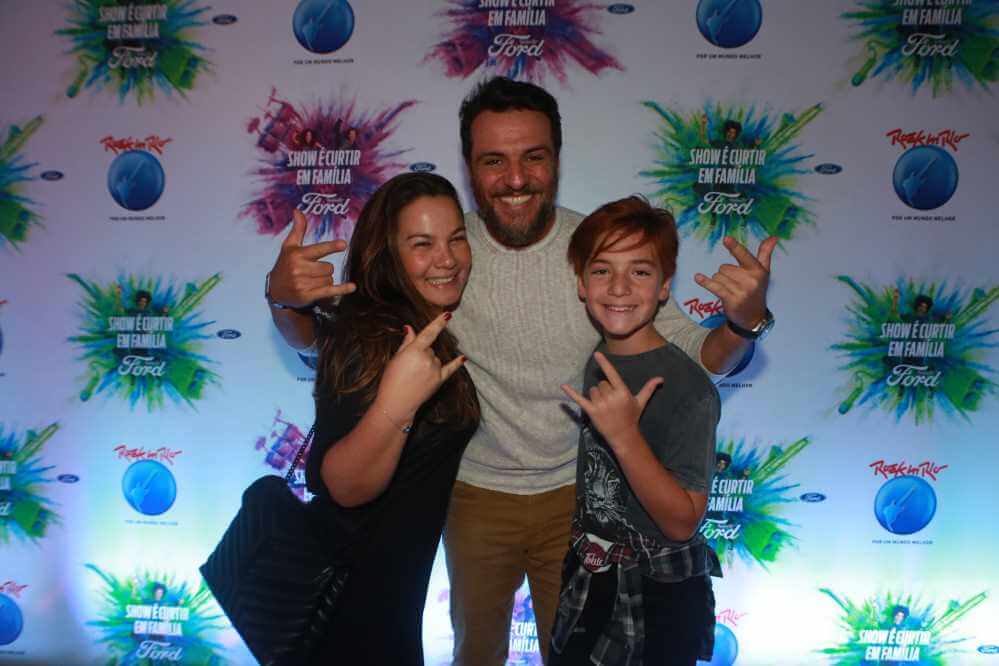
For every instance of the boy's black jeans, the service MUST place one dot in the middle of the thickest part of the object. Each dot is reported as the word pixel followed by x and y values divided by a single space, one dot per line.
pixel 675 617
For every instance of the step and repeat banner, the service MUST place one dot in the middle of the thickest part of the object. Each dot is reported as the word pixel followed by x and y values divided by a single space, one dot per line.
pixel 152 153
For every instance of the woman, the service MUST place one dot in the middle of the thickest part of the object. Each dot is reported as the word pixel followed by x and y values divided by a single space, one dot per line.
pixel 394 411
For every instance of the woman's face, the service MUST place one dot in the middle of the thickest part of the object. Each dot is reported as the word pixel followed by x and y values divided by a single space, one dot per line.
pixel 434 249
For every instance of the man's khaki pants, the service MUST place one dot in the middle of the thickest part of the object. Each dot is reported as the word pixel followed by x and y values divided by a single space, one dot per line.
pixel 491 540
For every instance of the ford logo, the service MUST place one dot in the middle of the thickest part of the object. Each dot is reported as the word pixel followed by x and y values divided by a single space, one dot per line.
pixel 52 175
pixel 813 497
pixel 828 169
pixel 229 334
pixel 422 167
pixel 621 8
pixel 224 19
pixel 68 478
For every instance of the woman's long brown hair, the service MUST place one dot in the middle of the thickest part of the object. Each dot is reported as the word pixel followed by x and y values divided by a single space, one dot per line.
pixel 368 328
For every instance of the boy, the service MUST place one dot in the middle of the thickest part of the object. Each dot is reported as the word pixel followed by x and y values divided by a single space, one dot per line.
pixel 635 585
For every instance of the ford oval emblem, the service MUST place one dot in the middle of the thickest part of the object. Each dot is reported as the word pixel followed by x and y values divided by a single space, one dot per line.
pixel 828 169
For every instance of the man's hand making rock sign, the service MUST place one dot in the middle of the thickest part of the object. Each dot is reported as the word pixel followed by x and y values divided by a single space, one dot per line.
pixel 742 288
pixel 300 277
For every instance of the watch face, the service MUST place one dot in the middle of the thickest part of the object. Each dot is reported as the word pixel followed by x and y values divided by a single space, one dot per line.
pixel 765 326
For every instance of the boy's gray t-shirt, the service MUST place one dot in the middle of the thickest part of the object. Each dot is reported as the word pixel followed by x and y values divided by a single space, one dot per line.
pixel 679 425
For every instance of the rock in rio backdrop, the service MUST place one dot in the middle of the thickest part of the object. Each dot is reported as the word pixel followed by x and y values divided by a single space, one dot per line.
pixel 152 153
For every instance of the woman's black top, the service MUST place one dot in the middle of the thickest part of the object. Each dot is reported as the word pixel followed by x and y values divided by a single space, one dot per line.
pixel 390 542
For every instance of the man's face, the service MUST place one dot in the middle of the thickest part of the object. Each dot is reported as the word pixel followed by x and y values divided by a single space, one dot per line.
pixel 731 134
pixel 142 302
pixel 922 308
pixel 514 173
pixel 899 617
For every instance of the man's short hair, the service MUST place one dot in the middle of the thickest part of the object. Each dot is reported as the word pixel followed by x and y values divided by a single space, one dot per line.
pixel 142 293
pixel 500 94
pixel 732 124
pixel 923 299
pixel 614 221
pixel 723 457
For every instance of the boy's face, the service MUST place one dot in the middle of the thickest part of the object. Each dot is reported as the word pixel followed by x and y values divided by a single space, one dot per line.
pixel 623 287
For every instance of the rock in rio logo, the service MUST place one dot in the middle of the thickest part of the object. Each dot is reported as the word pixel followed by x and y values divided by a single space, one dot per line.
pixel 933 43
pixel 521 40
pixel 148 485
pixel 326 160
pixel 141 339
pixel 711 315
pixel 906 502
pixel 726 648
pixel 729 23
pixel 136 48
pixel 323 26
pixel 914 347
pixel 925 176
pixel 11 618
pixel 135 177
pixel 731 170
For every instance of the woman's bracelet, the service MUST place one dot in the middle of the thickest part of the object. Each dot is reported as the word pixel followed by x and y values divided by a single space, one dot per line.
pixel 406 427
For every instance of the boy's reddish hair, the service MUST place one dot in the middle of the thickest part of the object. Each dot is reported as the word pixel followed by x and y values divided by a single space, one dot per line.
pixel 614 221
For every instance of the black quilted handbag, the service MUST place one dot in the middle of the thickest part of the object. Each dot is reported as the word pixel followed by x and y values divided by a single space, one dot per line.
pixel 274 577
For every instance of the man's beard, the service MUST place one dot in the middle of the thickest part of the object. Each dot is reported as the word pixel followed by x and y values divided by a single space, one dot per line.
pixel 516 237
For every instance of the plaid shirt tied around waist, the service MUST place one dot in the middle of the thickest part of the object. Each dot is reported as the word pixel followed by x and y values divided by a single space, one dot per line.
pixel 623 640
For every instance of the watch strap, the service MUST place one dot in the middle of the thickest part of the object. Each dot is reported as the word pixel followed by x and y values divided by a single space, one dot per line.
pixel 756 331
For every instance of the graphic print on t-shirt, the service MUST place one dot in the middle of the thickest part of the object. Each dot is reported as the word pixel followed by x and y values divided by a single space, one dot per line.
pixel 605 490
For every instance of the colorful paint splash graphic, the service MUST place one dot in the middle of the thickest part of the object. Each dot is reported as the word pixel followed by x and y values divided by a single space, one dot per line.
pixel 559 36
pixel 16 214
pixel 961 45
pixel 931 630
pixel 754 532
pixel 25 513
pixel 324 159
pixel 952 377
pixel 281 445
pixel 522 650
pixel 751 160
pixel 167 364
pixel 187 616
pixel 136 53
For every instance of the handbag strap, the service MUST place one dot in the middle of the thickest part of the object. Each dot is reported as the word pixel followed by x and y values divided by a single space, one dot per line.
pixel 300 454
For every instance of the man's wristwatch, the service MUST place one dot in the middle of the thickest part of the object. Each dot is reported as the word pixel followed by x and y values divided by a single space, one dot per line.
pixel 757 332
pixel 274 304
